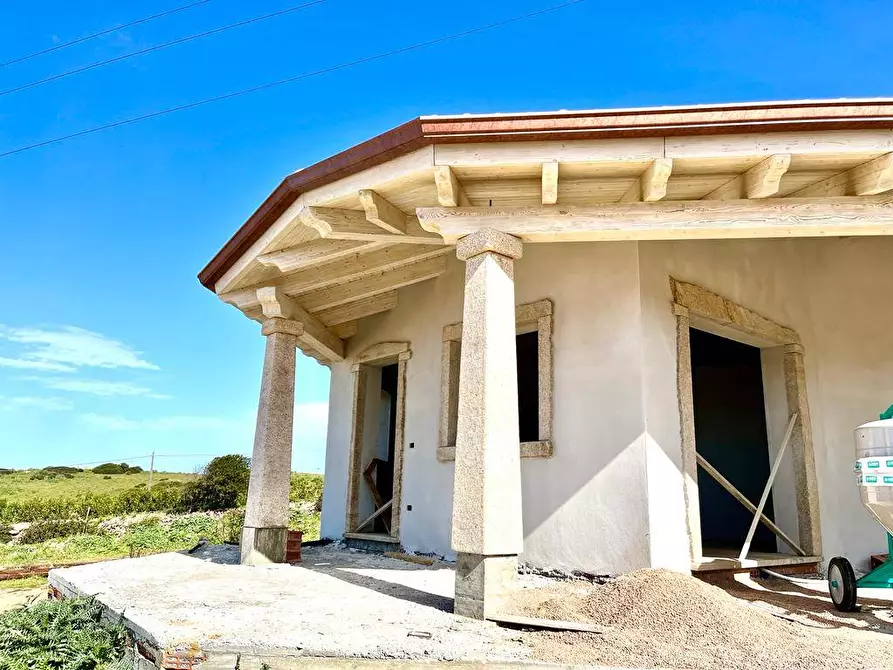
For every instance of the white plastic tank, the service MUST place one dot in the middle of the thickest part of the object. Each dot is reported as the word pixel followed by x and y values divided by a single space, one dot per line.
pixel 874 469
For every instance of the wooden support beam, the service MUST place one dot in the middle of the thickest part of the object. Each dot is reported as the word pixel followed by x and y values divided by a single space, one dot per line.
pixel 345 270
pixel 370 286
pixel 345 330
pixel 871 178
pixel 449 190
pixel 550 182
pixel 312 254
pixel 275 304
pixel 762 180
pixel 652 185
pixel 676 220
pixel 348 224
pixel 740 497
pixel 377 513
pixel 349 312
pixel 382 213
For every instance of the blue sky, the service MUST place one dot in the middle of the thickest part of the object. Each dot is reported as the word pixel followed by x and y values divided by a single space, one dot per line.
pixel 109 347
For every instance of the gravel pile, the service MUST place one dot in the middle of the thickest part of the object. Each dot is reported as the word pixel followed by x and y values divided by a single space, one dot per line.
pixel 658 618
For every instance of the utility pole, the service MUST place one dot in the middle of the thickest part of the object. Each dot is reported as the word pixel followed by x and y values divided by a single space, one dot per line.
pixel 151 468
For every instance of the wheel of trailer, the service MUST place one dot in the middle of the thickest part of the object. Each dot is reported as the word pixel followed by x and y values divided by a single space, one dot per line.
pixel 842 584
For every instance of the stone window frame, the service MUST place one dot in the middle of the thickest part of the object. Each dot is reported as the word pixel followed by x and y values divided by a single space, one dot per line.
pixel 376 355
pixel 529 317
pixel 698 307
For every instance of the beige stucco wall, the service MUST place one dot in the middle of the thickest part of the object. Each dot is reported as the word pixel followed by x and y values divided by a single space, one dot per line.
pixel 829 291
pixel 611 499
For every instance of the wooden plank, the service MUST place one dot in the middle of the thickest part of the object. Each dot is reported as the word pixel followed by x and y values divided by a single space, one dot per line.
pixel 348 224
pixel 382 213
pixel 644 149
pixel 761 181
pixel 358 309
pixel 513 621
pixel 766 489
pixel 377 513
pixel 313 254
pixel 370 286
pixel 550 183
pixel 652 185
pixel 871 178
pixel 740 497
pixel 771 217
pixel 449 190
pixel 275 304
pixel 828 142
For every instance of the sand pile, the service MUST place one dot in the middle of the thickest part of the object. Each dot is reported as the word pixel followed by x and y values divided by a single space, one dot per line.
pixel 658 618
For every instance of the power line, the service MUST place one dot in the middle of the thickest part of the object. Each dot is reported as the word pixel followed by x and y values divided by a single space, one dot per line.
pixel 289 80
pixel 92 36
pixel 158 47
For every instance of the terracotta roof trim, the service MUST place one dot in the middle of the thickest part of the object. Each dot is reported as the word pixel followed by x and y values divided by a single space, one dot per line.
pixel 840 114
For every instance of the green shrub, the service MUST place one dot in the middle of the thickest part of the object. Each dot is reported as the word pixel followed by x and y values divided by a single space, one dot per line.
pixel 62 470
pixel 66 634
pixel 231 526
pixel 116 469
pixel 306 487
pixel 40 531
pixel 223 485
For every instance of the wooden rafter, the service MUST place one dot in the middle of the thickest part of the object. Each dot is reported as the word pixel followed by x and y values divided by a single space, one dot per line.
pixel 358 309
pixel 775 217
pixel 370 286
pixel 275 304
pixel 763 180
pixel 312 254
pixel 449 191
pixel 345 270
pixel 382 213
pixel 871 178
pixel 652 185
pixel 348 224
pixel 550 182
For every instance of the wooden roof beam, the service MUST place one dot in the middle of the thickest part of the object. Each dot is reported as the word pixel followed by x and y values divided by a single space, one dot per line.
pixel 348 224
pixel 275 304
pixel 871 178
pixel 652 185
pixel 382 213
pixel 449 191
pixel 351 312
pixel 674 220
pixel 367 287
pixel 550 182
pixel 313 254
pixel 342 271
pixel 763 180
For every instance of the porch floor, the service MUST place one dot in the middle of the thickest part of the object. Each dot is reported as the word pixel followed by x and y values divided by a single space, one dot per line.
pixel 727 559
pixel 336 602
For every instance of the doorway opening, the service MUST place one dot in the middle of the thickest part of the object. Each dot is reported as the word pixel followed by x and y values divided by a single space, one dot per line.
pixel 731 434
pixel 375 475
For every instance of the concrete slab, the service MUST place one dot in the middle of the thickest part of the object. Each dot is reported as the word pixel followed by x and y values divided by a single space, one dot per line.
pixel 336 603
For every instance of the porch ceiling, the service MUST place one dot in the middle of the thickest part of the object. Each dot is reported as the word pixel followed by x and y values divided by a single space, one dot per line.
pixel 342 249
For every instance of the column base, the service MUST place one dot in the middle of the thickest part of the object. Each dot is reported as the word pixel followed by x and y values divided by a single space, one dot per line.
pixel 483 583
pixel 262 546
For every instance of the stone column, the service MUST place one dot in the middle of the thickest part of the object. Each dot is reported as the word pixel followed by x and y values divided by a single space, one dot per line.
pixel 802 451
pixel 487 531
pixel 266 514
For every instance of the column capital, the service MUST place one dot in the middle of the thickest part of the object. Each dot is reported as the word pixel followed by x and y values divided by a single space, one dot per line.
pixel 488 240
pixel 278 325
pixel 793 349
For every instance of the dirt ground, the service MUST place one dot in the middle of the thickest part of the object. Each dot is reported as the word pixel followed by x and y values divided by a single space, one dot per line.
pixel 661 619
pixel 10 598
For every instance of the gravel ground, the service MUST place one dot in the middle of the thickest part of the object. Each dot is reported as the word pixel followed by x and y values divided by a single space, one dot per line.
pixel 657 618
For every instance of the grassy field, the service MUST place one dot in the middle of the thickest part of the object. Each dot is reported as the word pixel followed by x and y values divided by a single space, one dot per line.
pixel 18 486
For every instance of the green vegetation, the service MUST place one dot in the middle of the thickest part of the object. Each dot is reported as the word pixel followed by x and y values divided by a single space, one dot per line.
pixel 67 528
pixel 17 486
pixel 117 469
pixel 64 635
pixel 23 583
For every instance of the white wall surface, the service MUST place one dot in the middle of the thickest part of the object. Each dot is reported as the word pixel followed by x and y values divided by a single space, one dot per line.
pixel 610 499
